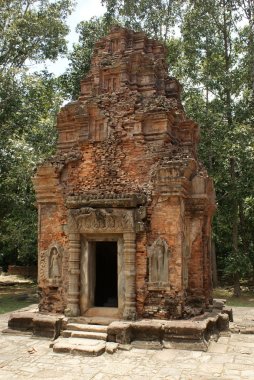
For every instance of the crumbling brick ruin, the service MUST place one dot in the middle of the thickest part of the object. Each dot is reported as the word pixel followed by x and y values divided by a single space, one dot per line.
pixel 125 206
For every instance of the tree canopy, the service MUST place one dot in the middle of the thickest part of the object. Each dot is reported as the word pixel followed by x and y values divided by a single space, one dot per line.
pixel 210 50
pixel 31 32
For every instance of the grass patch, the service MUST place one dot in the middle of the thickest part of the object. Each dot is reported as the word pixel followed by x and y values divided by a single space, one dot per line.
pixel 10 303
pixel 245 300
pixel 16 297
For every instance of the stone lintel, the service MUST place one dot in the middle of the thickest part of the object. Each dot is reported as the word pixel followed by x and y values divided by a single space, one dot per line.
pixel 107 200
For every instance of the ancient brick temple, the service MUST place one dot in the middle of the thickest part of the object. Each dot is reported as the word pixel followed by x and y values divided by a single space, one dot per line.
pixel 125 206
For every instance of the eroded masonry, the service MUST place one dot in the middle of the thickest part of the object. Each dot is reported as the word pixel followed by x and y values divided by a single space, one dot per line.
pixel 125 206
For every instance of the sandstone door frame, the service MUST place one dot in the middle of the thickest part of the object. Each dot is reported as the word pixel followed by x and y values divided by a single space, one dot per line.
pixel 92 224
pixel 87 270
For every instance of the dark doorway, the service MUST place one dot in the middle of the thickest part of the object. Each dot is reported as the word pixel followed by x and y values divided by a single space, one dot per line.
pixel 106 274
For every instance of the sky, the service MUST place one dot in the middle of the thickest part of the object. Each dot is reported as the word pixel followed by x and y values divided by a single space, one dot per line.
pixel 84 10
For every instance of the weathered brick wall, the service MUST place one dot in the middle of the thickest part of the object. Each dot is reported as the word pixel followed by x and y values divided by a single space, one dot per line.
pixel 127 136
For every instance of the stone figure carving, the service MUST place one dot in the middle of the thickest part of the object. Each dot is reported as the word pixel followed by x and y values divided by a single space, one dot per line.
pixel 158 261
pixel 103 219
pixel 54 263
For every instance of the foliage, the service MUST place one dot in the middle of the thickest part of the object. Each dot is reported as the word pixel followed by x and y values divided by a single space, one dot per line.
pixel 214 58
pixel 156 18
pixel 81 55
pixel 211 51
pixel 31 31
pixel 245 300
pixel 33 138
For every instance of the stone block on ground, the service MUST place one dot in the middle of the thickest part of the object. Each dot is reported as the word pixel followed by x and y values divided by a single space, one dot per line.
pixel 228 310
pixel 111 347
pixel 47 326
pixel 219 303
pixel 146 330
pixel 119 332
pixel 188 330
pixel 22 321
pixel 223 322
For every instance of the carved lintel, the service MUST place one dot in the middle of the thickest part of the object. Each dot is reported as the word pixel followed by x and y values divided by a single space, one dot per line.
pixel 88 219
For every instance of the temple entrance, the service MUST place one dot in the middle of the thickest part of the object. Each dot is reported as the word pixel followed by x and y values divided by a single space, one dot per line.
pixel 101 275
pixel 106 286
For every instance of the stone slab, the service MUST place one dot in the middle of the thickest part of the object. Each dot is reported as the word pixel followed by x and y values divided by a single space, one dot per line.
pixel 87 327
pixel 85 347
pixel 84 334
pixel 16 332
pixel 111 347
pixel 147 345
pixel 105 321
pixel 110 312
pixel 23 358
pixel 201 345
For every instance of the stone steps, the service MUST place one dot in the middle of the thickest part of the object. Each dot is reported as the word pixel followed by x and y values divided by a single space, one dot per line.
pixel 87 327
pixel 84 339
pixel 104 321
pixel 77 346
pixel 84 334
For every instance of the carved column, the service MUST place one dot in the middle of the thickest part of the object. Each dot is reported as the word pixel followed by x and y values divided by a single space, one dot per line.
pixel 74 274
pixel 130 275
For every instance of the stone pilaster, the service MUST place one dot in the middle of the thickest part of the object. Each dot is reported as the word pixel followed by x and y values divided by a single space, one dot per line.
pixel 130 275
pixel 74 275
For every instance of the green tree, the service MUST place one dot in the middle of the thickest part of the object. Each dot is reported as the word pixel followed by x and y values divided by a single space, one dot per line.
pixel 33 139
pixel 80 57
pixel 157 18
pixel 213 61
pixel 31 31
pixel 211 51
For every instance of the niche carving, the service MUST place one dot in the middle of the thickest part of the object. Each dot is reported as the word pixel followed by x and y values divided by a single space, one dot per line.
pixel 110 82
pixel 55 264
pixel 158 262
pixel 97 126
pixel 114 45
pixel 51 264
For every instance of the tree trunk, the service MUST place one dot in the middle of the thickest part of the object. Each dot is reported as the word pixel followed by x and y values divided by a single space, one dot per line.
pixel 214 265
pixel 236 276
pixel 229 115
pixel 237 288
